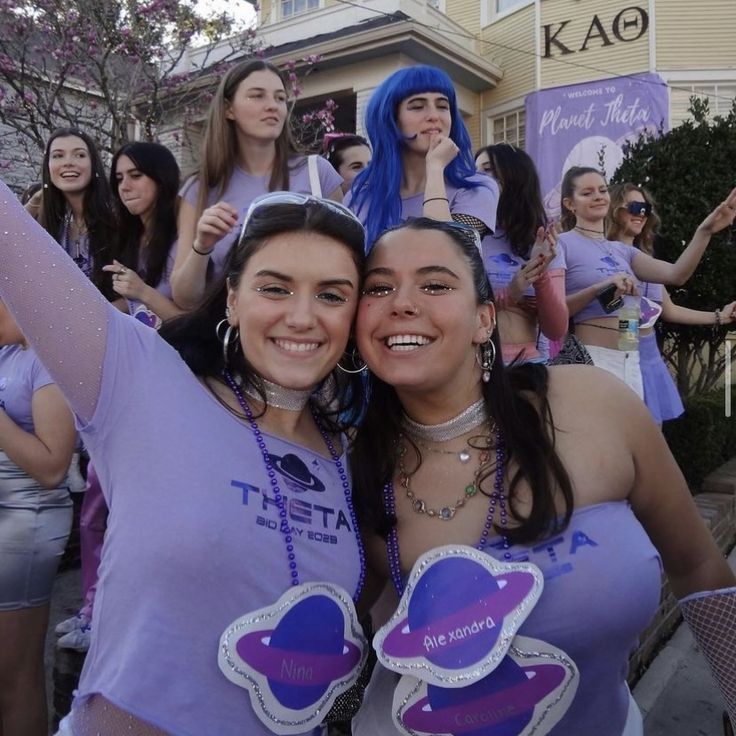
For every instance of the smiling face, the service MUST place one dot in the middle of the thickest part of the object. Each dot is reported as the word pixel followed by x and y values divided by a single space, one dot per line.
pixel 632 224
pixel 590 200
pixel 421 116
pixel 258 107
pixel 353 161
pixel 137 191
pixel 70 166
pixel 294 306
pixel 419 321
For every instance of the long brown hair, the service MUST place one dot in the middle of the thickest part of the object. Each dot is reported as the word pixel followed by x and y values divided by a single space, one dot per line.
pixel 219 150
pixel 644 241
pixel 567 190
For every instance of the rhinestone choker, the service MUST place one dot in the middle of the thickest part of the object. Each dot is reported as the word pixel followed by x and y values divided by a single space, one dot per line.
pixel 469 419
pixel 278 397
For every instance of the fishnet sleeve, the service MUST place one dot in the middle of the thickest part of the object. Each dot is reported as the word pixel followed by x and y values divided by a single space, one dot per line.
pixel 712 618
pixel 471 221
pixel 61 314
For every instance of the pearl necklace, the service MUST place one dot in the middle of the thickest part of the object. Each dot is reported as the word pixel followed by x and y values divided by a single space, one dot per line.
pixel 463 423
pixel 278 497
pixel 496 498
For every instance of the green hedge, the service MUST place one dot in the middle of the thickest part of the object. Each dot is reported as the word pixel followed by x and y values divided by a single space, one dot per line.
pixel 703 438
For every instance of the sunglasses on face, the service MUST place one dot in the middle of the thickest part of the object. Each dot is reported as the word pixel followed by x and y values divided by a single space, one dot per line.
pixel 638 209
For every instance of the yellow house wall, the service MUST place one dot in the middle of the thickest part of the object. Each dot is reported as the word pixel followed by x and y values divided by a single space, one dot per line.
pixel 510 43
pixel 597 61
pixel 696 35
pixel 467 14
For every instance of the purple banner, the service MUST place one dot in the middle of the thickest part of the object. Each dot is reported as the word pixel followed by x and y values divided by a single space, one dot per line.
pixel 587 125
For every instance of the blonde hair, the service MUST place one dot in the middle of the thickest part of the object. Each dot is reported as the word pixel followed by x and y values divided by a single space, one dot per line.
pixel 644 241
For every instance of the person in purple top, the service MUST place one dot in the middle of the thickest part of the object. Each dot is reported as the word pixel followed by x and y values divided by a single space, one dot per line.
pixel 247 150
pixel 633 220
pixel 145 181
pixel 422 161
pixel 36 443
pixel 525 270
pixel 223 463
pixel 594 262
pixel 74 204
pixel 458 452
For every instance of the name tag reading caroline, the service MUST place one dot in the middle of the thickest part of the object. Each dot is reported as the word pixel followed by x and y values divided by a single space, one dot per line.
pixel 527 694
pixel 297 656
pixel 458 614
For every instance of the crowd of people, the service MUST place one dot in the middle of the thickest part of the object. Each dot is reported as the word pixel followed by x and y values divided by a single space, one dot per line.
pixel 322 396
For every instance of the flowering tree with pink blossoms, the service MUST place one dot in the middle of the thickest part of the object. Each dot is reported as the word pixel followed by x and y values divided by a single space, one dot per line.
pixel 114 68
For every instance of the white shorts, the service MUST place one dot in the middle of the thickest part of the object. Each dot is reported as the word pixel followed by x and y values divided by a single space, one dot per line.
pixel 622 363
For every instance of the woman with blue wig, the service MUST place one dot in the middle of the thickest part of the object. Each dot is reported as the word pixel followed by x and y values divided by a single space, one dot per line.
pixel 422 162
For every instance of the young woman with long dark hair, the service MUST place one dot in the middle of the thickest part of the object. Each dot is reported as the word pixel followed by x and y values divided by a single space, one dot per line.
pixel 74 204
pixel 246 502
pixel 525 270
pixel 459 455
pixel 349 154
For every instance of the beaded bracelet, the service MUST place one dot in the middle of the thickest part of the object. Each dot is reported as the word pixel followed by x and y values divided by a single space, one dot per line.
pixel 718 318
pixel 200 252
pixel 432 199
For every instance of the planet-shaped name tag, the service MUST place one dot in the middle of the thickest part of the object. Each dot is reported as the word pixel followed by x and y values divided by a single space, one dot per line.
pixel 457 616
pixel 527 694
pixel 297 656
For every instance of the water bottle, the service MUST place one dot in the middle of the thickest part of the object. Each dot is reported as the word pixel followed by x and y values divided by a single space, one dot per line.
pixel 628 324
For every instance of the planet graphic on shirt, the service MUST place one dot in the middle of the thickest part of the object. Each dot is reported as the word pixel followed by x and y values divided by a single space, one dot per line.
pixel 610 261
pixel 304 654
pixel 296 473
pixel 461 613
pixel 504 259
pixel 504 703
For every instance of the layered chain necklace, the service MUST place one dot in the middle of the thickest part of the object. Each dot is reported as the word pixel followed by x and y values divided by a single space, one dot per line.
pixel 276 490
pixel 73 246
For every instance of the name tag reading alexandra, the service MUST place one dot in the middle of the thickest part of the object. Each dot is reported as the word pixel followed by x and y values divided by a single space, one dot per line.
pixel 458 615
pixel 296 657
pixel 526 695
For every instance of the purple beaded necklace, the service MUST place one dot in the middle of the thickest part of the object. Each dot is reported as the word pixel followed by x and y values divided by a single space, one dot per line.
pixel 278 497
pixel 496 498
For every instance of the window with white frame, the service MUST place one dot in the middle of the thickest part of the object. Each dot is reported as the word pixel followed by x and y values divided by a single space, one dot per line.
pixel 720 96
pixel 501 6
pixel 509 128
pixel 290 8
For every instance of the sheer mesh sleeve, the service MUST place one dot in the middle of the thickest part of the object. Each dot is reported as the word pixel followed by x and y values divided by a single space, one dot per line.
pixel 471 221
pixel 61 314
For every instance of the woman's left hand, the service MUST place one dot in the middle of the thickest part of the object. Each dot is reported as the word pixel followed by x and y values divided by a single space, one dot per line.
pixel 125 281
pixel 545 244
pixel 721 217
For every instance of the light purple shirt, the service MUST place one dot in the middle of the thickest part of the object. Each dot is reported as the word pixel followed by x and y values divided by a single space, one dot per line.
pixel 243 188
pixel 590 261
pixel 193 540
pixel 21 375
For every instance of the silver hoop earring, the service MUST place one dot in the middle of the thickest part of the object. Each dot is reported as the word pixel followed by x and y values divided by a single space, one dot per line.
pixel 354 358
pixel 232 334
pixel 485 357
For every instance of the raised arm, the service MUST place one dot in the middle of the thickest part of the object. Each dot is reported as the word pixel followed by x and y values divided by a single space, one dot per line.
pixel 662 272
pixel 62 315
pixel 678 315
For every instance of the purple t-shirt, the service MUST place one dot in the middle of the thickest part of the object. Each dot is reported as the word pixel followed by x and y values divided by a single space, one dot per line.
pixel 502 263
pixel 193 540
pixel 21 374
pixel 243 188
pixel 590 261
pixel 138 309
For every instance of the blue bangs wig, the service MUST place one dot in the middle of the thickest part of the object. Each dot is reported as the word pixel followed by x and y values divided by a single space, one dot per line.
pixel 376 191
